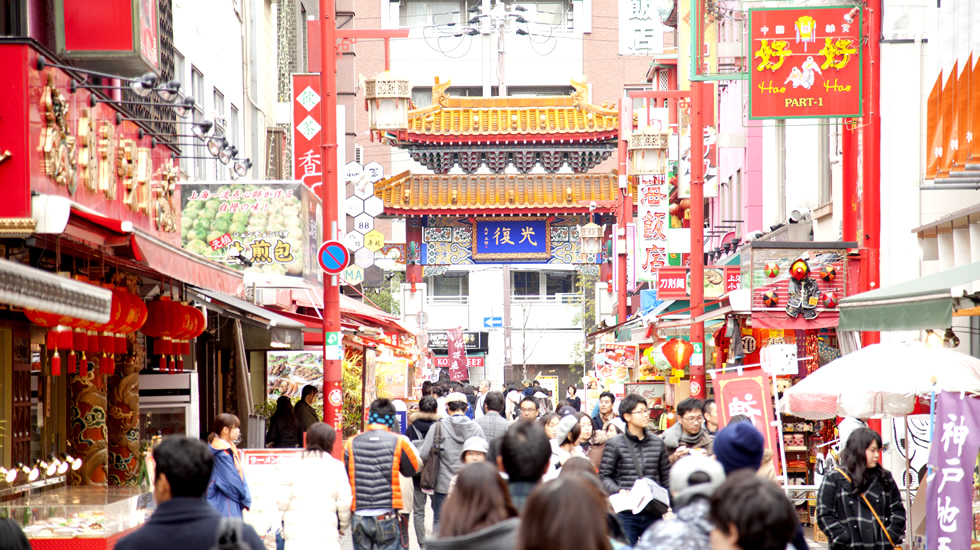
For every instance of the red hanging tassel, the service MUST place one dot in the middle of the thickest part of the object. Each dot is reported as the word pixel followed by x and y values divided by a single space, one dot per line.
pixel 173 366
pixel 185 348
pixel 72 362
pixel 120 343
pixel 110 363
pixel 79 340
pixel 163 364
pixel 56 364
pixel 83 365
pixel 52 339
pixel 180 364
pixel 65 338
pixel 107 342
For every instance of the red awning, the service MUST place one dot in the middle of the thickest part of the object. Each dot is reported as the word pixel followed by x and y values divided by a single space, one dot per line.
pixel 160 256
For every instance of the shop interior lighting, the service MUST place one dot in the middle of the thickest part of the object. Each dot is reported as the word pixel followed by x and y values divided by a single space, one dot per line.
pixel 62 465
pixel 31 473
pixel 9 475
pixel 48 468
pixel 74 463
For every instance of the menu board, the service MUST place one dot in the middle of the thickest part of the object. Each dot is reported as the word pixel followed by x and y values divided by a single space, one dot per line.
pixel 392 377
pixel 613 362
pixel 264 471
pixel 289 371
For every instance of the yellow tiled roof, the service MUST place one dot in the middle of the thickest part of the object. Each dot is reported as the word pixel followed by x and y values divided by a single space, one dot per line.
pixel 512 117
pixel 424 193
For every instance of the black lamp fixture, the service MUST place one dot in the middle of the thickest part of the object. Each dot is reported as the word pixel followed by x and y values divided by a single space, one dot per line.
pixel 727 246
pixel 199 130
pixel 216 144
pixel 72 462
pixel 143 86
pixel 182 108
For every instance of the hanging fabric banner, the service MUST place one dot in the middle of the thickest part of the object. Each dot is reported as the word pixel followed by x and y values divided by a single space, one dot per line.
pixel 457 354
pixel 749 394
pixel 952 456
pixel 652 192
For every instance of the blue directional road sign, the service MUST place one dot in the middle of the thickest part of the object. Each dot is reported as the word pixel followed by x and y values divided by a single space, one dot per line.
pixel 493 322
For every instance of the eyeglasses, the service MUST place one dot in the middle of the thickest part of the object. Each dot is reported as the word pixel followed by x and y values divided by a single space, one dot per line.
pixel 527 410
pixel 692 418
pixel 640 411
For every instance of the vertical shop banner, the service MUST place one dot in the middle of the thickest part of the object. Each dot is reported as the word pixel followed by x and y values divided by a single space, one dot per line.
pixel 457 354
pixel 806 62
pixel 653 205
pixel 747 393
pixel 306 106
pixel 953 457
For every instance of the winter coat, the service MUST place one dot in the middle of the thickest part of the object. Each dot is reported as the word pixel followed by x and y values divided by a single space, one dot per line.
pixel 419 424
pixel 283 432
pixel 493 425
pixel 306 416
pixel 499 536
pixel 674 437
pixel 558 458
pixel 185 523
pixel 616 470
pixel 689 529
pixel 371 458
pixel 455 430
pixel 228 491
pixel 315 498
pixel 844 516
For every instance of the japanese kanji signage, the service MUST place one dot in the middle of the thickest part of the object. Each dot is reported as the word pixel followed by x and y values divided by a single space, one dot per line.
pixel 748 393
pixel 268 226
pixel 306 130
pixel 641 31
pixel 457 355
pixel 805 62
pixel 953 457
pixel 674 283
pixel 652 196
pixel 511 238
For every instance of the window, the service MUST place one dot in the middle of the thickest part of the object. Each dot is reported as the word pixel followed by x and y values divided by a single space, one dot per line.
pixel 424 13
pixel 179 67
pixel 233 131
pixel 219 110
pixel 546 12
pixel 449 284
pixel 559 282
pixel 525 283
pixel 197 91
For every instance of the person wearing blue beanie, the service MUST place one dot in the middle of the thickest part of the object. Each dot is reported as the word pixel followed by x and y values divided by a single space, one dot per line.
pixel 739 446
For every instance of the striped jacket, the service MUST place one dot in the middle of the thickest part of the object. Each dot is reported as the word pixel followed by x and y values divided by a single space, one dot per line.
pixel 373 460
pixel 848 522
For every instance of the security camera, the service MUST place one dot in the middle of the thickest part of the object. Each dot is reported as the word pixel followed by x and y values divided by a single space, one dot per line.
pixel 849 16
pixel 798 215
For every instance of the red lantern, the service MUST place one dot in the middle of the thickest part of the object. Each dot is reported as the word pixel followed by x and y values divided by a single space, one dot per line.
pixel 192 323
pixel 678 353
pixel 163 321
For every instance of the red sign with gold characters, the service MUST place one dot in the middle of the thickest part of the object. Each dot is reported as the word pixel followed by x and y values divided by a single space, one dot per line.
pixel 805 62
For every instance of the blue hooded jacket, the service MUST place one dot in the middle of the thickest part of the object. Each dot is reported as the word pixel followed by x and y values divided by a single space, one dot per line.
pixel 227 492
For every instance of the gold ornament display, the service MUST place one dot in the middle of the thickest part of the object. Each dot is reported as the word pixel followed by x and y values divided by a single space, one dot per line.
pixel 108 160
pixel 57 146
pixel 163 198
pixel 87 151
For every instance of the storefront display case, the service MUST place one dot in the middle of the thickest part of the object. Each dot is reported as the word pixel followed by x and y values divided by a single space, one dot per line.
pixel 80 518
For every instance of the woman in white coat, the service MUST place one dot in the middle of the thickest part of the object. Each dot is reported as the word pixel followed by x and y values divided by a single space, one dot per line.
pixel 316 495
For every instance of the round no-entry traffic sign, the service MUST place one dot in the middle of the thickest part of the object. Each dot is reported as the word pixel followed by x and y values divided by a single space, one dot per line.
pixel 333 257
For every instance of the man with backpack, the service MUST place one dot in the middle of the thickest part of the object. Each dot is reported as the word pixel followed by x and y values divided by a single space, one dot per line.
pixel 183 519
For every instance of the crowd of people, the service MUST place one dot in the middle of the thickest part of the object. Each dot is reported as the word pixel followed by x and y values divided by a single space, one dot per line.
pixel 521 476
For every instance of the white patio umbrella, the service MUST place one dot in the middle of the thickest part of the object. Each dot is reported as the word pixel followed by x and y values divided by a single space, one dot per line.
pixel 880 380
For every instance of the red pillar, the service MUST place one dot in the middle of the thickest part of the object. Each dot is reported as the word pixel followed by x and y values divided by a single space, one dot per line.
pixel 870 238
pixel 625 207
pixel 333 402
pixel 699 104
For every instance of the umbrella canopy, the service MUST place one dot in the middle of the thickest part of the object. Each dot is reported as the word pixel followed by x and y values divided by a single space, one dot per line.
pixel 880 380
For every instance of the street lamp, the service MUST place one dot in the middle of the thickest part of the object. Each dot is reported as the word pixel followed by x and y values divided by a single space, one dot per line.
pixel 590 238
pixel 388 98
pixel 648 152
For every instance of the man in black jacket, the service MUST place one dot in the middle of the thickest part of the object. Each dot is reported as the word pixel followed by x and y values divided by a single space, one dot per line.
pixel 304 410
pixel 183 519
pixel 618 470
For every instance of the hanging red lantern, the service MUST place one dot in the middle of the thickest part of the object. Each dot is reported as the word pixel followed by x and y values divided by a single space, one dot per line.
pixel 678 353
pixel 163 321
pixel 134 318
pixel 191 324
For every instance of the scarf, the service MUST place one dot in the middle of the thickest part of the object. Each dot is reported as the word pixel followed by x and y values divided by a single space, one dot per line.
pixel 222 445
pixel 676 436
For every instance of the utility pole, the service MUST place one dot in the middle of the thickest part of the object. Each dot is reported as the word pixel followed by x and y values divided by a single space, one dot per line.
pixel 698 106
pixel 508 355
pixel 625 208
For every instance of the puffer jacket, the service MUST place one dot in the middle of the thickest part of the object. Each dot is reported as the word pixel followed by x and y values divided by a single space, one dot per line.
pixel 843 515
pixel 315 498
pixel 371 458
pixel 455 430
pixel 228 491
pixel 616 470
pixel 499 536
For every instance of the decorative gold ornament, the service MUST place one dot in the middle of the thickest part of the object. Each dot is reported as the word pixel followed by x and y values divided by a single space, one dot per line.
pixel 143 175
pixel 87 152
pixel 57 145
pixel 108 160
pixel 135 169
pixel 17 226
pixel 125 164
pixel 163 197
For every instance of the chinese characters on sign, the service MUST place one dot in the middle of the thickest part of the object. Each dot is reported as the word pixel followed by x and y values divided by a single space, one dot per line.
pixel 953 457
pixel 306 130
pixel 512 238
pixel 457 355
pixel 749 394
pixel 806 62
pixel 641 31
pixel 654 220
pixel 674 283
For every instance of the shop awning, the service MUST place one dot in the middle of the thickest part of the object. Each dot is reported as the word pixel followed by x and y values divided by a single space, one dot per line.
pixel 249 311
pixel 921 304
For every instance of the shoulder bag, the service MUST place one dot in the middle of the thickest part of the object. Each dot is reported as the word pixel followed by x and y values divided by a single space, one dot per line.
pixel 880 524
pixel 430 469
pixel 654 507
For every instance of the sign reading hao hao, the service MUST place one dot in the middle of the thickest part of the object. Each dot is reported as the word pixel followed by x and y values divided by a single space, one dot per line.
pixel 805 62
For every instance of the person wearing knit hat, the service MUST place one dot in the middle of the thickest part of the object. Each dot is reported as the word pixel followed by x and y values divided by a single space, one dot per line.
pixel 565 444
pixel 693 479
pixel 739 446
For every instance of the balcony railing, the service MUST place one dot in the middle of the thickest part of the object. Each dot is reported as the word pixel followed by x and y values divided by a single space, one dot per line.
pixel 567 299
pixel 447 300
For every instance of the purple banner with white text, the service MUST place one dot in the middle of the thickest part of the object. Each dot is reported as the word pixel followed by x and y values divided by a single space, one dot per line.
pixel 953 457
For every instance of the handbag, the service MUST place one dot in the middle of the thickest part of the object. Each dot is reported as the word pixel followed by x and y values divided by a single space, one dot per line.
pixel 430 469
pixel 654 507
pixel 880 524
